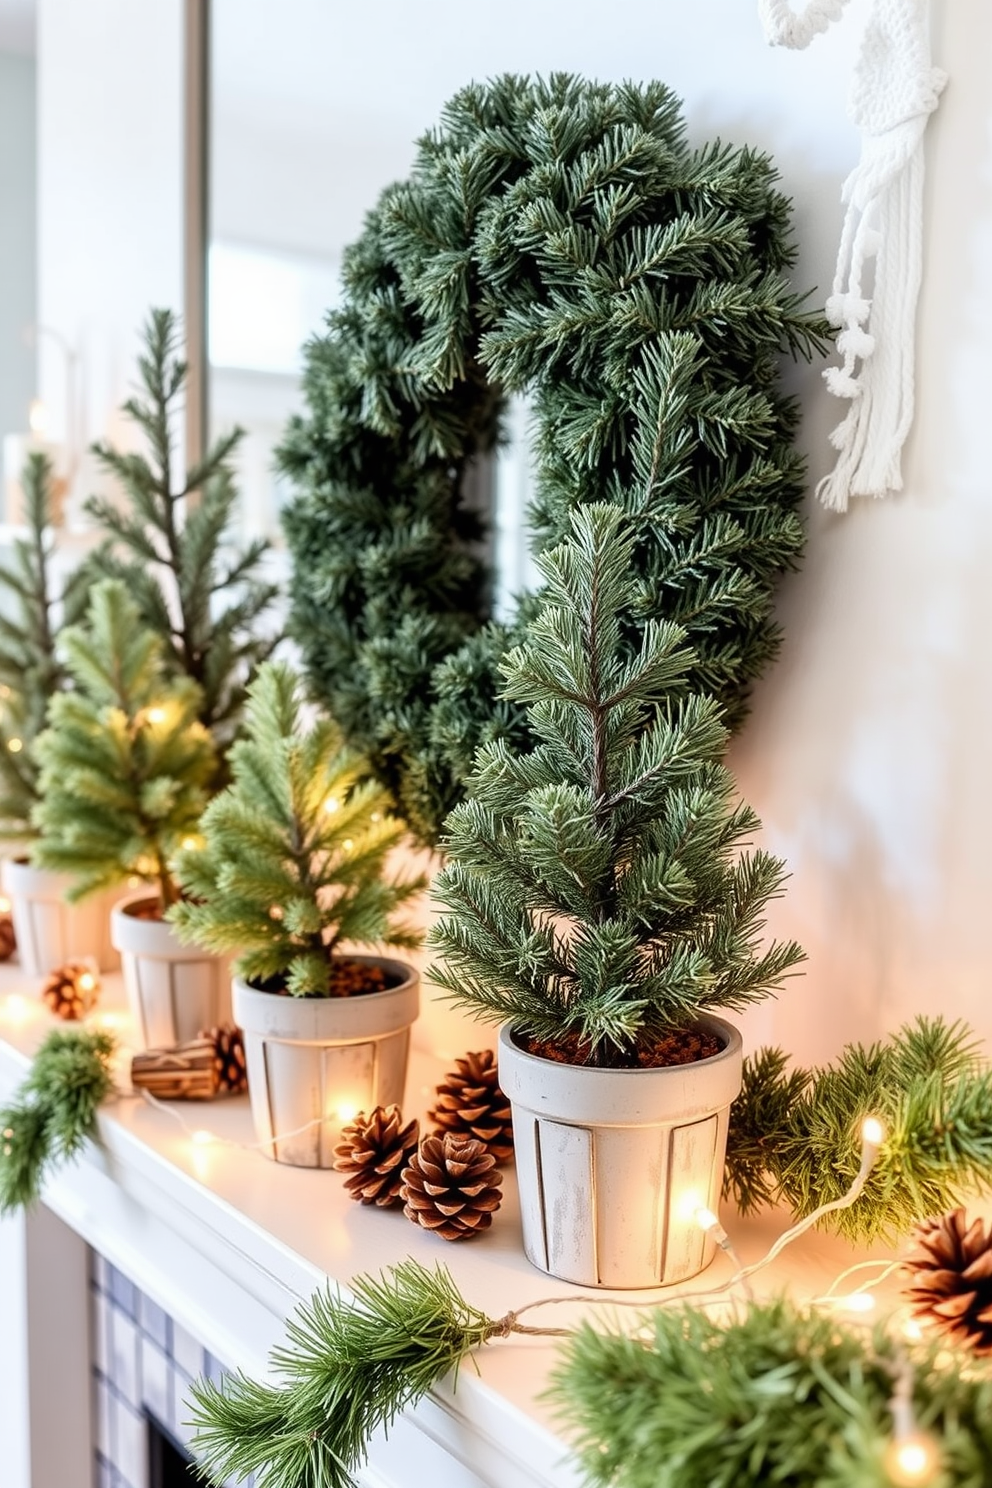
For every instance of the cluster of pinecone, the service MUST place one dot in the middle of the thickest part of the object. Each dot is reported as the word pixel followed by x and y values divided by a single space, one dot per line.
pixel 448 1182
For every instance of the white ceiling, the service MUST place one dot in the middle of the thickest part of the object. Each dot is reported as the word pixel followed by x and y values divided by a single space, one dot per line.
pixel 17 24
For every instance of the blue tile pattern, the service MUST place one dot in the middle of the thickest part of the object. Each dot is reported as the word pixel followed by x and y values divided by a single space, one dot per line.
pixel 143 1363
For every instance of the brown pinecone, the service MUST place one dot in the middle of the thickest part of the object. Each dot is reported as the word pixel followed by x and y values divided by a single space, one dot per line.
pixel 8 941
pixel 451 1187
pixel 471 1104
pixel 374 1150
pixel 229 1058
pixel 71 991
pixel 951 1279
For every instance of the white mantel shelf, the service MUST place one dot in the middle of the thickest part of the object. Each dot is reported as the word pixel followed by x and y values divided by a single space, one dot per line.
pixel 229 1242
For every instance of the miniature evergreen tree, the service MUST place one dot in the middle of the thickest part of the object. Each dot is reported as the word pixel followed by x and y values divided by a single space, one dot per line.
pixel 294 850
pixel 125 763
pixel 172 546
pixel 596 896
pixel 30 670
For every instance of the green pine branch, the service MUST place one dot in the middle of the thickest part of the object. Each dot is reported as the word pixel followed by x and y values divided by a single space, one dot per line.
pixel 349 1367
pixel 596 886
pixel 53 1113
pixel 173 545
pixel 795 1136
pixel 31 671
pixel 125 764
pixel 777 1395
pixel 293 856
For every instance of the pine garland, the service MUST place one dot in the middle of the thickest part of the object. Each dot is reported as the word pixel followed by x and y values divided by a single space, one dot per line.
pixel 795 1136
pixel 172 546
pixel 594 885
pixel 781 1395
pixel 54 1111
pixel 125 763
pixel 293 852
pixel 559 238
pixel 30 670
pixel 348 1368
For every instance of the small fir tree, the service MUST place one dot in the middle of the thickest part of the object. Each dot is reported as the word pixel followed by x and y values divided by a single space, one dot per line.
pixel 172 544
pixel 125 763
pixel 30 669
pixel 293 862
pixel 596 895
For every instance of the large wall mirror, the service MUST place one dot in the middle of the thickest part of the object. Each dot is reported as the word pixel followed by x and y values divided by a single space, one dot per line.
pixel 315 107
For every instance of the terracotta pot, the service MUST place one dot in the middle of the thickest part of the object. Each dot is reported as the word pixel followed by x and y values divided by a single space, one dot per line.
pixel 614 1165
pixel 173 990
pixel 315 1062
pixel 50 931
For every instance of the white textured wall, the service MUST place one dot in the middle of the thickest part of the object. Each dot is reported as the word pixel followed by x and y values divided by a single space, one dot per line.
pixel 866 754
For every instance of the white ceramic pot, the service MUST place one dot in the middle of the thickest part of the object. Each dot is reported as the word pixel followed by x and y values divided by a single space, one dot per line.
pixel 614 1165
pixel 173 990
pixel 50 931
pixel 315 1062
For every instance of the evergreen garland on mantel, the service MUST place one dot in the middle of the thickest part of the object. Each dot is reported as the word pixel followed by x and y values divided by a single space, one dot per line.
pixel 558 238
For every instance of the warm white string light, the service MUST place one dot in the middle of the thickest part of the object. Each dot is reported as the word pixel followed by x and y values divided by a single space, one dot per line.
pixel 200 1137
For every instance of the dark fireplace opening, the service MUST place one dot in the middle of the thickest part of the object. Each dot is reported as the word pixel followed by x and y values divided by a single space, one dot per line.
pixel 168 1465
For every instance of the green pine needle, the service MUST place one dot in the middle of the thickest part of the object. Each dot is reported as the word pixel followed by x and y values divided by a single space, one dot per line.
pixel 348 1367
pixel 780 1396
pixel 795 1137
pixel 53 1113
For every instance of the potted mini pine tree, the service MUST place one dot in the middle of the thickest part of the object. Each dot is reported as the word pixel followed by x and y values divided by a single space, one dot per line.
pixel 599 907
pixel 49 929
pixel 125 771
pixel 290 876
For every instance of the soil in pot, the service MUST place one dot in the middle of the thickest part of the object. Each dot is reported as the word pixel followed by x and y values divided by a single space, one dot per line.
pixel 348 979
pixel 681 1046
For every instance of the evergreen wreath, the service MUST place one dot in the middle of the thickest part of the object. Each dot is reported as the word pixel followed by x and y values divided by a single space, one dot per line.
pixel 559 238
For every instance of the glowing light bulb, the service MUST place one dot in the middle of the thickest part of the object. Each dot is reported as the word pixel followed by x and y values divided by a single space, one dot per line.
pixel 16 1010
pixel 706 1219
pixel 37 417
pixel 912 1461
pixel 376 816
pixel 331 805
pixel 87 982
pixel 872 1132
pixel 275 912
pixel 15 746
pixel 912 1331
pixel 202 1138
pixel 347 844
pixel 189 843
pixel 347 1113
pixel 4 904
pixel 857 1302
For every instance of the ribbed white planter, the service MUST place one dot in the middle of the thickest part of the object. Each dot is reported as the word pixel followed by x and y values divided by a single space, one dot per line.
pixel 50 931
pixel 315 1062
pixel 173 990
pixel 614 1165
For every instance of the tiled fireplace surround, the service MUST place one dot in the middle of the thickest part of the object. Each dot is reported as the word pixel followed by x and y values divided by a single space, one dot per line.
pixel 143 1362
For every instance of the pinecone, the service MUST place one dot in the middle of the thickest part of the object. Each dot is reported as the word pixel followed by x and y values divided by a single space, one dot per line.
pixel 71 991
pixel 471 1104
pixel 373 1150
pixel 8 941
pixel 450 1187
pixel 229 1058
pixel 951 1279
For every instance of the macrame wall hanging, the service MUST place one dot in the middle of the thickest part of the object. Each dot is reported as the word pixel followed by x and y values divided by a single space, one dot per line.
pixel 895 90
